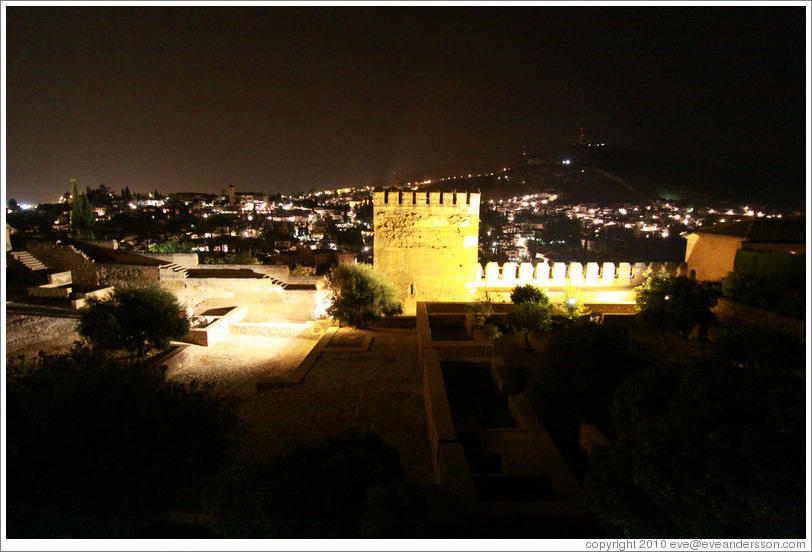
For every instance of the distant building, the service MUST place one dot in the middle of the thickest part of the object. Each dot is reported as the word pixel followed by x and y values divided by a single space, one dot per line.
pixel 245 200
pixel 711 251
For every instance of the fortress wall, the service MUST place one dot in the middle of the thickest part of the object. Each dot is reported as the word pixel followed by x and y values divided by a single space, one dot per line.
pixel 560 275
pixel 243 291
pixel 427 242
pixel 711 257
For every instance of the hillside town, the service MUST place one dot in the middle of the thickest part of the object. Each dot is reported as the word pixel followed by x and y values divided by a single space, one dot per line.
pixel 316 230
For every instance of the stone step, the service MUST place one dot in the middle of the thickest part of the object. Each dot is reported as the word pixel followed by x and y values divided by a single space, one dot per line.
pixel 28 260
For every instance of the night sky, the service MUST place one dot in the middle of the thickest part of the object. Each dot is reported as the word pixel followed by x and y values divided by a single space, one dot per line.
pixel 287 99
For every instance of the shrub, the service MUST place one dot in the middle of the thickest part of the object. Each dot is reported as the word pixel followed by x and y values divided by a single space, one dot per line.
pixel 581 367
pixel 97 448
pixel 529 293
pixel 482 309
pixel 705 450
pixel 300 270
pixel 360 295
pixel 769 280
pixel 172 245
pixel 134 319
pixel 574 304
pixel 529 317
pixel 676 304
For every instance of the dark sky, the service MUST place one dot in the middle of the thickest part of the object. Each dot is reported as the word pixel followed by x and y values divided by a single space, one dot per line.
pixel 285 99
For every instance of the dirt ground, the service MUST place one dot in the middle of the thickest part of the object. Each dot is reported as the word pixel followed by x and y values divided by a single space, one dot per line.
pixel 27 335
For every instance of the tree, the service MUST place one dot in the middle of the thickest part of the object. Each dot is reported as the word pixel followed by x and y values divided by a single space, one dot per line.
pixel 676 303
pixel 134 319
pixel 574 304
pixel 172 245
pixel 482 309
pixel 529 317
pixel 98 448
pixel 529 292
pixel 705 450
pixel 13 206
pixel 360 295
pixel 300 270
pixel 81 215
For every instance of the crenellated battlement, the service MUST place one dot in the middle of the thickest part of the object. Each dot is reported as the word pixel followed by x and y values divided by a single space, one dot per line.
pixel 413 199
pixel 560 275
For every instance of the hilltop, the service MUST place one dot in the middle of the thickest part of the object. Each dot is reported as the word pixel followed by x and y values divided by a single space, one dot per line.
pixel 608 174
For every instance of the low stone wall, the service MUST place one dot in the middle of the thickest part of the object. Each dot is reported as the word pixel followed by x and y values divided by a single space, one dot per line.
pixel 733 313
pixel 450 465
pixel 194 291
pixel 182 259
pixel 478 346
pixel 175 357
pixel 280 272
pixel 127 275
pixel 59 291
pixel 59 278
pixel 264 329
pixel 218 329
pixel 80 300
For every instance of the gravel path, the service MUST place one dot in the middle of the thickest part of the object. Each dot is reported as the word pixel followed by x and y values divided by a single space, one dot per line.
pixel 27 335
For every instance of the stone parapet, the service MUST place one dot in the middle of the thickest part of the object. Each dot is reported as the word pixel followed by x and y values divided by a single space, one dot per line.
pixel 561 275
pixel 411 199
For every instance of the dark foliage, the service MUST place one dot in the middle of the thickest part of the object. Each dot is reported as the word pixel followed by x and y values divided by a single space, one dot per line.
pixel 348 486
pixel 707 450
pixel 760 347
pixel 134 319
pixel 530 317
pixel 769 280
pixel 81 215
pixel 581 367
pixel 529 293
pixel 676 303
pixel 96 449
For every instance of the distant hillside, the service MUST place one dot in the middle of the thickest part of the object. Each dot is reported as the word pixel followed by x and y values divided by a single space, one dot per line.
pixel 607 174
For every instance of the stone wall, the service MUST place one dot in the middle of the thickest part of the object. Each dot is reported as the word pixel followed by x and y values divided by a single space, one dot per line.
pixel 61 258
pixel 427 243
pixel 182 259
pixel 560 275
pixel 194 291
pixel 127 275
pixel 734 313
pixel 711 257
pixel 280 272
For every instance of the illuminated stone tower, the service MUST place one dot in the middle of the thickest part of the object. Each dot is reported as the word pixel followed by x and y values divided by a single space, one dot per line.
pixel 427 243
